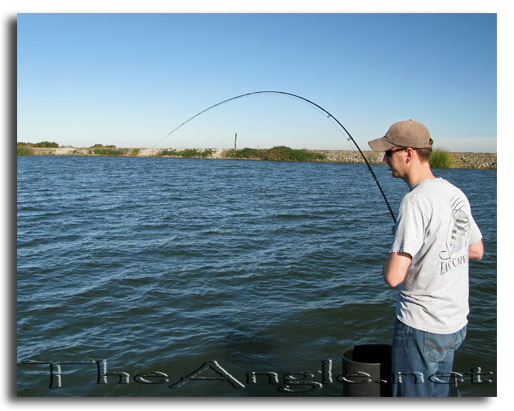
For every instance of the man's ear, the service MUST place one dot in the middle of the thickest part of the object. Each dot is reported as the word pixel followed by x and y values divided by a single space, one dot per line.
pixel 411 153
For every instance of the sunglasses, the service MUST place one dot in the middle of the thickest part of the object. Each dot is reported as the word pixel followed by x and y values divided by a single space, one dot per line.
pixel 389 153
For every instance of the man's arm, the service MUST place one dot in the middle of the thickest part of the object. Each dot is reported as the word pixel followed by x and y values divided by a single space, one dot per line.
pixel 476 251
pixel 395 268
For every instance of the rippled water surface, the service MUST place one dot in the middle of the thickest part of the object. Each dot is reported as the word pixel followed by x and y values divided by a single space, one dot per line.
pixel 135 272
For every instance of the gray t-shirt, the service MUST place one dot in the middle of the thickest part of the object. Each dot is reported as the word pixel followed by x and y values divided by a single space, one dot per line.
pixel 435 227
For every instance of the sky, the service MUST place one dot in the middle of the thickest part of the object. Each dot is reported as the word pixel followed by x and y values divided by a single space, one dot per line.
pixel 129 79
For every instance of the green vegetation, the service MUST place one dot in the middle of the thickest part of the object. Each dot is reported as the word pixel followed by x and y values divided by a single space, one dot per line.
pixel 279 153
pixel 441 158
pixel 103 146
pixel 47 144
pixel 187 153
pixel 245 153
pixel 135 151
pixel 24 150
pixel 108 152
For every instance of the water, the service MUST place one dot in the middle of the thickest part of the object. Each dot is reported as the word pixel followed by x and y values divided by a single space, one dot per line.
pixel 136 272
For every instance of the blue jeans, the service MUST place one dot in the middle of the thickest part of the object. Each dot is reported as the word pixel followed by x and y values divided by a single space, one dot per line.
pixel 422 362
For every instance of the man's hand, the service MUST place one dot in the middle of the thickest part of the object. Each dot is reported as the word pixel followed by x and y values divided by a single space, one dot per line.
pixel 476 251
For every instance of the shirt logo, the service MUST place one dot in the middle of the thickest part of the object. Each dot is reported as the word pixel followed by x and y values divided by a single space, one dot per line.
pixel 456 252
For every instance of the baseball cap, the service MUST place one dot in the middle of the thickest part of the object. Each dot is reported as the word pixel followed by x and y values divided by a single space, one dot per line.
pixel 407 133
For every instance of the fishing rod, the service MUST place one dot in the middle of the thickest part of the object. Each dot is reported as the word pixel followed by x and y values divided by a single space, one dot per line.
pixel 307 101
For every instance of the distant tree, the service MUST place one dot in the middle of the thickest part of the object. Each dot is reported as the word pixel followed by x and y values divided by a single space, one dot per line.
pixel 47 144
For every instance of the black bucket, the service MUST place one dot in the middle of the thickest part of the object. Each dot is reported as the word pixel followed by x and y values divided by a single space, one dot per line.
pixel 367 371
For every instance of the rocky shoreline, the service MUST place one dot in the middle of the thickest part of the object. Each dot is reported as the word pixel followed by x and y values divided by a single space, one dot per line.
pixel 461 160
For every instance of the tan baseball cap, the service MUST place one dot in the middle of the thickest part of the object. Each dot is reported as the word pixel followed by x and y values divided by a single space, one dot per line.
pixel 407 133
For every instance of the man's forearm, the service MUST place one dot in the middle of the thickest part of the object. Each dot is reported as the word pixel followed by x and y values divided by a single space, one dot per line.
pixel 395 268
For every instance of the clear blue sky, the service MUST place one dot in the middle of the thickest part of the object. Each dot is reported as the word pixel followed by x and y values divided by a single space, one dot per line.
pixel 129 79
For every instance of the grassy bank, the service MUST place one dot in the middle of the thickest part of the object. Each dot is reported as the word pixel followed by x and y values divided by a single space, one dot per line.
pixel 280 153
pixel 441 158
pixel 187 153
pixel 24 150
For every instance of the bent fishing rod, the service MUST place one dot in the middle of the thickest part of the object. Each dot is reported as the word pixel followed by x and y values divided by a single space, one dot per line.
pixel 309 102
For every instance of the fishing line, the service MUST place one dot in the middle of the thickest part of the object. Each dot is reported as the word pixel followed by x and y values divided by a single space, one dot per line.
pixel 330 116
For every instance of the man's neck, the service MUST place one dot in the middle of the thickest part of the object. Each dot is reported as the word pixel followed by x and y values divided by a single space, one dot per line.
pixel 418 174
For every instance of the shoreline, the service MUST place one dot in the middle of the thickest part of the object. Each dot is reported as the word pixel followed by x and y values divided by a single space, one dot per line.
pixel 461 159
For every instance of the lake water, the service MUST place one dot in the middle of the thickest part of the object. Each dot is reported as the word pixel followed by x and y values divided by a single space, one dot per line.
pixel 141 276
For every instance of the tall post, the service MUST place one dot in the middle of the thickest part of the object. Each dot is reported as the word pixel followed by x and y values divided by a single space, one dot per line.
pixel 235 143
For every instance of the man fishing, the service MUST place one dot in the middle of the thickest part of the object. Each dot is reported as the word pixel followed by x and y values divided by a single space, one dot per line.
pixel 434 238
